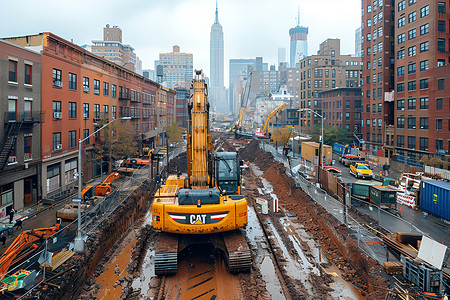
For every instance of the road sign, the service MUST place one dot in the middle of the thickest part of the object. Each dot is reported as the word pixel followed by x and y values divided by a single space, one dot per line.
pixel 77 200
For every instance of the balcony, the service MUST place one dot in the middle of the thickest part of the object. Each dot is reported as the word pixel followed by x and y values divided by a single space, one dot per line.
pixel 25 117
pixel 123 97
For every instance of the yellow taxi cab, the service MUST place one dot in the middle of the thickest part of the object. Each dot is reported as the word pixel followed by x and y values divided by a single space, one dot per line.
pixel 360 170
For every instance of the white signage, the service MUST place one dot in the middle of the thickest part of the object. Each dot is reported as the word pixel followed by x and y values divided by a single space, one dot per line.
pixel 432 252
pixel 406 200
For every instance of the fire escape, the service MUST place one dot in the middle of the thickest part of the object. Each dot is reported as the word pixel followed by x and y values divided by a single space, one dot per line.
pixel 13 124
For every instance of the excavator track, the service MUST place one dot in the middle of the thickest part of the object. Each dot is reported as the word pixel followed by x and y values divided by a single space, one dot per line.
pixel 166 254
pixel 237 254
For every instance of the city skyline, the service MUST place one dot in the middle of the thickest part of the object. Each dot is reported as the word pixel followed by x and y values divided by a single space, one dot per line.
pixel 187 24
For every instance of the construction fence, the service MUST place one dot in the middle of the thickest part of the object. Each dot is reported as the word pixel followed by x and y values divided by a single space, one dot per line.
pixel 336 198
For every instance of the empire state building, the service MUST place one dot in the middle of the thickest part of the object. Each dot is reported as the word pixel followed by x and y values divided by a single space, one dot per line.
pixel 217 93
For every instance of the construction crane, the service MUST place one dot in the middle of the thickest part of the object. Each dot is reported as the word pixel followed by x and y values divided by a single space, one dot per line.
pixel 265 131
pixel 244 102
pixel 204 206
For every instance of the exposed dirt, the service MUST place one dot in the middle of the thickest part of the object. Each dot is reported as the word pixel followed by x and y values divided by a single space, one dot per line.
pixel 178 164
pixel 342 250
pixel 253 153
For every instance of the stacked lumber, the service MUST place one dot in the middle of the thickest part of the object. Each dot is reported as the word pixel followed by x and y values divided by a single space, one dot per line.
pixel 58 260
pixel 393 268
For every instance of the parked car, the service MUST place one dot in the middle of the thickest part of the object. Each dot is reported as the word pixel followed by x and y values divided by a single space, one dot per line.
pixel 360 170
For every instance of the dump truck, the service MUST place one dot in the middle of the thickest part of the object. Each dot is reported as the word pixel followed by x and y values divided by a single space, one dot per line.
pixel 204 206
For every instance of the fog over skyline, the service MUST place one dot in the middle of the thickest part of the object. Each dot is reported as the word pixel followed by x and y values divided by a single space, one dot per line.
pixel 251 28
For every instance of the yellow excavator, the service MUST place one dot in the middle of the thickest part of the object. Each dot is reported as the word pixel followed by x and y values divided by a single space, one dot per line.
pixel 265 132
pixel 205 205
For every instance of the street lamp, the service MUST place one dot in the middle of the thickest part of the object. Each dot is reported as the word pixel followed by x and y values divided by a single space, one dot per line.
pixel 79 244
pixel 321 142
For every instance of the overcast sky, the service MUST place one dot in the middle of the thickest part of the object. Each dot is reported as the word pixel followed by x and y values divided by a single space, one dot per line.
pixel 251 27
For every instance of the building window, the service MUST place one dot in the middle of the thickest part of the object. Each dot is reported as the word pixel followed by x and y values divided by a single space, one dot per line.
pixel 86 84
pixel 423 144
pixel 439 145
pixel 85 135
pixel 424 65
pixel 106 111
pixel 441 26
pixel 70 167
pixel 441 7
pixel 411 142
pixel 28 77
pixel 411 2
pixel 97 111
pixel 56 141
pixel 400 141
pixel 412 68
pixel 86 110
pixel 424 103
pixel 12 71
pixel 424 47
pixel 412 104
pixel 440 63
pixel 441 84
pixel 424 29
pixel 424 11
pixel 439 104
pixel 72 110
pixel 424 84
pixel 400 87
pixel 380 108
pixel 441 45
pixel 411 85
pixel 72 139
pixel 412 34
pixel 400 71
pixel 113 90
pixel 114 112
pixel 412 51
pixel 438 124
pixel 411 123
pixel 401 54
pixel 400 122
pixel 96 87
pixel 401 5
pixel 72 81
pixel 412 17
pixel 56 106
pixel 105 88
pixel 53 177
pixel 401 22
pixel 424 123
pixel 401 38
pixel 57 78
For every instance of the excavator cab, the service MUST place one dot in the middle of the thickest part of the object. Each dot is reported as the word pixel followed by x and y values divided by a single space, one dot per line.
pixel 227 173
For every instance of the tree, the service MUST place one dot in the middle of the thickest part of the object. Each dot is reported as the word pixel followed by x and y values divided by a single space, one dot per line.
pixel 174 133
pixel 332 134
pixel 281 135
pixel 117 140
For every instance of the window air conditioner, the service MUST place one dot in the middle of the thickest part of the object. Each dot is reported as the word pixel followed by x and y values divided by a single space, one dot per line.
pixel 58 147
pixel 57 83
pixel 57 115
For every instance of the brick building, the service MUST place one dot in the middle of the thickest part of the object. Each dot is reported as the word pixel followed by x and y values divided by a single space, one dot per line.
pixel 342 108
pixel 78 88
pixel 324 71
pixel 20 128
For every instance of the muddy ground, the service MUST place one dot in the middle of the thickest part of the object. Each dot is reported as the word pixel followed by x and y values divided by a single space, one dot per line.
pixel 124 270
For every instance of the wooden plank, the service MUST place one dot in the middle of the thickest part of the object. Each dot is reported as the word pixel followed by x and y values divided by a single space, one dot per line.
pixel 58 260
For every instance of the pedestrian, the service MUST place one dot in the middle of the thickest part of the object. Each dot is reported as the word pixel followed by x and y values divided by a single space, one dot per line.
pixel 11 215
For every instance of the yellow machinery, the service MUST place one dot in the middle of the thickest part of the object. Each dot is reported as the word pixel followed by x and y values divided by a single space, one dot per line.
pixel 244 103
pixel 265 130
pixel 206 205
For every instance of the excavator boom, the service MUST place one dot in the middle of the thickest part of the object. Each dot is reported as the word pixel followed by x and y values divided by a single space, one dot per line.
pixel 273 113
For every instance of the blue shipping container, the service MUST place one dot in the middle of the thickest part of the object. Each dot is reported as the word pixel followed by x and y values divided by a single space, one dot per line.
pixel 338 148
pixel 435 198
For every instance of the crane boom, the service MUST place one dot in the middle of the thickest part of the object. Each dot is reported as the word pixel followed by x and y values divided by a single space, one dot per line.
pixel 273 113
pixel 244 102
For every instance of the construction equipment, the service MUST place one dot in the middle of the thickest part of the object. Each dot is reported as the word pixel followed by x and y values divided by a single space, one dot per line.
pixel 106 186
pixel 244 103
pixel 206 205
pixel 70 211
pixel 265 131
pixel 147 153
pixel 24 245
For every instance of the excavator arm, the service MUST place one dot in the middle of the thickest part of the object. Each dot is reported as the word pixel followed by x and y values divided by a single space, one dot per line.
pixel 273 113
pixel 244 103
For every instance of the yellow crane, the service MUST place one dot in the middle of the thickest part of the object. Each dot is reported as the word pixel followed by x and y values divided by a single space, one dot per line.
pixel 205 205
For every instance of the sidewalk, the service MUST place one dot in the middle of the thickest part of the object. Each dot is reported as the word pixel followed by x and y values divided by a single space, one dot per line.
pixel 32 211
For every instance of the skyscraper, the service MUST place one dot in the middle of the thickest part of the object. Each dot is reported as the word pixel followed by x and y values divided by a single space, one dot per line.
pixel 299 42
pixel 281 55
pixel 217 93
pixel 177 66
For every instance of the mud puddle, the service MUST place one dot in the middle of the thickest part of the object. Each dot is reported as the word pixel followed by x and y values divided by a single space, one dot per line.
pixel 148 273
pixel 115 269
